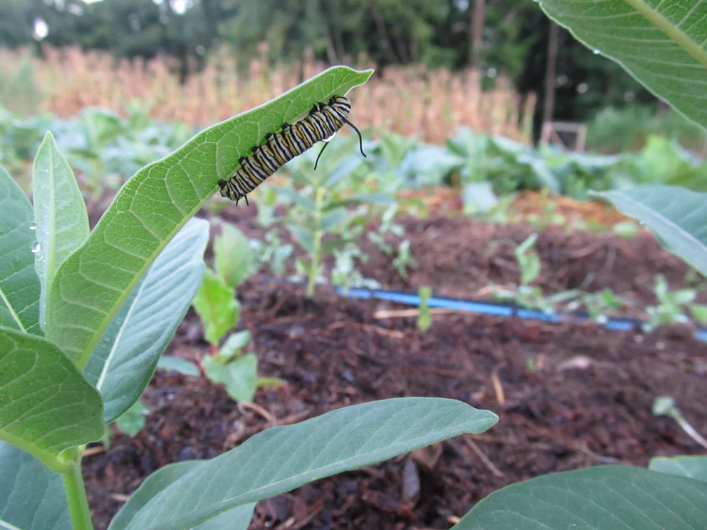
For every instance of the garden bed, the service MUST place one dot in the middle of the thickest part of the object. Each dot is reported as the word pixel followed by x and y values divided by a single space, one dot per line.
pixel 567 397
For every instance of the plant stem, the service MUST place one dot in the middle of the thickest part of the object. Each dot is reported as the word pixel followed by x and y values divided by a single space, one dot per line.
pixel 76 497
pixel 317 247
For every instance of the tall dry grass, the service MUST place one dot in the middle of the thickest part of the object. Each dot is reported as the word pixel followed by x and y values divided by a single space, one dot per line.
pixel 407 100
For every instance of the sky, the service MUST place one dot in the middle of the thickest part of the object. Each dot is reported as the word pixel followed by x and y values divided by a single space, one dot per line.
pixel 179 6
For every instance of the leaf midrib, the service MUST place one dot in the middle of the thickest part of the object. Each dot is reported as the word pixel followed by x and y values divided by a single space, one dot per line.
pixel 51 232
pixel 11 309
pixel 86 353
pixel 670 29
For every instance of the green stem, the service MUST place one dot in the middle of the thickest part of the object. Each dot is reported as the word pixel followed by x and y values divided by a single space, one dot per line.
pixel 317 248
pixel 76 496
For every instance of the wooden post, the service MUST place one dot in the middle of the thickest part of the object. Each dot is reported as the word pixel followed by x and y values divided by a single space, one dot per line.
pixel 476 26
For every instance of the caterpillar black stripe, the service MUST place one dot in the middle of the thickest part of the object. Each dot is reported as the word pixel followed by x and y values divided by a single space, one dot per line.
pixel 320 125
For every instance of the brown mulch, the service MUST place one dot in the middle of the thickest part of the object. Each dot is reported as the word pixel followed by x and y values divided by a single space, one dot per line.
pixel 567 397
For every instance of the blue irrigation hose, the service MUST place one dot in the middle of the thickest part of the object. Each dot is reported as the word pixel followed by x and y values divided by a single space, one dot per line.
pixel 489 308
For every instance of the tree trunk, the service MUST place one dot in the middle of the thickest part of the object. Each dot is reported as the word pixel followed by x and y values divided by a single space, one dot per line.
pixel 476 25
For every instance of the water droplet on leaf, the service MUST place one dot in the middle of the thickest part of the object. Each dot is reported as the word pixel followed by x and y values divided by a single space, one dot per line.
pixel 36 247
pixel 33 226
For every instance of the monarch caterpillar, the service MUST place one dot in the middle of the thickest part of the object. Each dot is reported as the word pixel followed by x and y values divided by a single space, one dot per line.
pixel 320 125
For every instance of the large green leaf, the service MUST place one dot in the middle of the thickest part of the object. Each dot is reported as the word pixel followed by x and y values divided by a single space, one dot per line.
pixel 46 405
pixel 678 216
pixel 236 519
pixel 283 458
pixel 598 498
pixel 684 466
pixel 217 306
pixel 662 44
pixel 60 214
pixel 31 496
pixel 19 285
pixel 125 358
pixel 91 285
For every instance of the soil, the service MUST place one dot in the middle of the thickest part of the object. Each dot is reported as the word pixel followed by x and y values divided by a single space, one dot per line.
pixel 567 396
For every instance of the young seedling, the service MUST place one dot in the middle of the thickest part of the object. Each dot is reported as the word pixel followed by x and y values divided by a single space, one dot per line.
pixel 665 406
pixel 424 317
pixel 528 260
pixel 673 305
pixel 319 218
pixel 219 309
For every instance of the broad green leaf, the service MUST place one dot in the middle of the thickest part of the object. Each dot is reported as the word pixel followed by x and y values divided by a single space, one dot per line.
pixel 683 466
pixel 19 285
pixel 597 498
pixel 283 458
pixel 60 214
pixel 236 519
pixel 31 495
pixel 46 405
pixel 126 356
pixel 217 306
pixel 132 421
pixel 240 377
pixel 678 216
pixel 232 255
pixel 91 285
pixel 176 364
pixel 661 44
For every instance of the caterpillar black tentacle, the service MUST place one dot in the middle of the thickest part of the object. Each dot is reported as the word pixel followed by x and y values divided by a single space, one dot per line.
pixel 320 125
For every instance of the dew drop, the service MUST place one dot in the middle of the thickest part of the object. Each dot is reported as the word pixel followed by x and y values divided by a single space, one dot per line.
pixel 36 247
pixel 596 51
pixel 33 226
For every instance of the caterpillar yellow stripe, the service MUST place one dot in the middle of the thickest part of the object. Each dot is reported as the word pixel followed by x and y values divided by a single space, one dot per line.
pixel 320 125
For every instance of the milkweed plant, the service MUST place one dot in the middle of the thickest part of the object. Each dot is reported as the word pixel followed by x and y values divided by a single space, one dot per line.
pixel 85 316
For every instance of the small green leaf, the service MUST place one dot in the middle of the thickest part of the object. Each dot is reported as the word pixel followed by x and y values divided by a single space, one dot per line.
pixel 132 421
pixel 678 216
pixel 699 312
pixel 90 287
pixel 31 495
pixel 60 214
pixel 244 374
pixel 675 69
pixel 233 255
pixel 46 405
pixel 239 377
pixel 282 458
pixel 303 236
pixel 297 198
pixel 527 244
pixel 19 285
pixel 236 519
pixel 124 360
pixel 600 498
pixel 217 306
pixel 179 365
pixel 233 345
pixel 269 381
pixel 424 317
